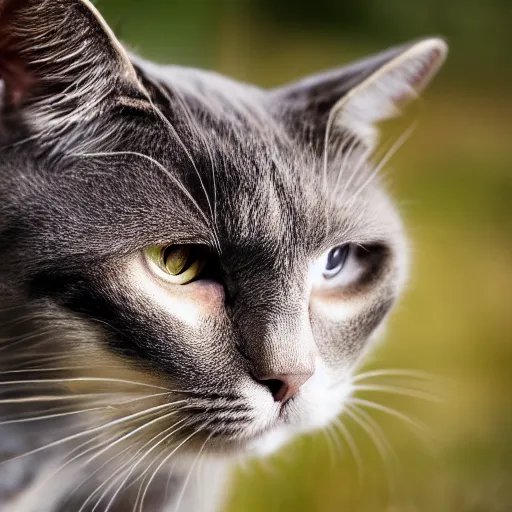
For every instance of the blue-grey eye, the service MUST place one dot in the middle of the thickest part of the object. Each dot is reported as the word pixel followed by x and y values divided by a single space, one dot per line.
pixel 336 259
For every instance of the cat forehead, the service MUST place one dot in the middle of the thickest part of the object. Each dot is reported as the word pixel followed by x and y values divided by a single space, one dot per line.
pixel 245 170
pixel 251 190
pixel 268 179
pixel 217 161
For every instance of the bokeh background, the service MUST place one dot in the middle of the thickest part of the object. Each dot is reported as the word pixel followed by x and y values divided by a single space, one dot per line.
pixel 453 181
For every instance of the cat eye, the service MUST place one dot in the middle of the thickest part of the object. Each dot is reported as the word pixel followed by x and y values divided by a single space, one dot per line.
pixel 349 267
pixel 336 260
pixel 339 268
pixel 177 264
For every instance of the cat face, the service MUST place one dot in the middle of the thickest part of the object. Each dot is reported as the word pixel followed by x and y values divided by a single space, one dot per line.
pixel 215 245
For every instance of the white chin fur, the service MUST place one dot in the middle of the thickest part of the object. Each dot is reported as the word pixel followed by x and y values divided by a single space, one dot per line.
pixel 270 443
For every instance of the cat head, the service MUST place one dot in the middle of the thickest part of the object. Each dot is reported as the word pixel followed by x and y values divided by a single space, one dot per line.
pixel 226 252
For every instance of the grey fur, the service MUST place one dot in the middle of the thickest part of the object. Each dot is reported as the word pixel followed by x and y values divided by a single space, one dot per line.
pixel 103 154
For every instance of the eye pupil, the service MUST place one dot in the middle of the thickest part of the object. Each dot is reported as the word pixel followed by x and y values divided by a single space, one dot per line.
pixel 336 259
pixel 176 259
pixel 177 264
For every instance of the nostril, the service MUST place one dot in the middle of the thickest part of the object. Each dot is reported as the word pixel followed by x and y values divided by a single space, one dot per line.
pixel 284 387
pixel 276 387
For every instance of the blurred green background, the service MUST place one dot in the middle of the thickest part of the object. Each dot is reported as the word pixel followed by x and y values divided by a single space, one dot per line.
pixel 453 180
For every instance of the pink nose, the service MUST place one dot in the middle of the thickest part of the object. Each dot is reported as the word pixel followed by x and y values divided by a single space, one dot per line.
pixel 284 387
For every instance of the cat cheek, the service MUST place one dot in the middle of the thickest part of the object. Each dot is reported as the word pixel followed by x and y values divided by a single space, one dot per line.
pixel 189 303
pixel 207 296
pixel 333 307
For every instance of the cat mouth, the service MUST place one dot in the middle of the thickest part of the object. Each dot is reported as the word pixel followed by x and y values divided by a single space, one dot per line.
pixel 243 433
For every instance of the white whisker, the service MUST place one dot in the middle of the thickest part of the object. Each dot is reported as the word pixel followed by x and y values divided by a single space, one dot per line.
pixel 87 432
pixel 399 391
pixel 345 161
pixel 392 372
pixel 357 168
pixel 417 427
pixel 167 433
pixel 166 458
pixel 192 467
pixel 379 440
pixel 49 398
pixel 52 416
pixel 56 369
pixel 154 162
pixel 353 449
pixel 98 470
pixel 373 430
pixel 81 379
pixel 135 431
pixel 329 443
pixel 121 468
pixel 200 133
pixel 385 159
pixel 68 462
pixel 189 156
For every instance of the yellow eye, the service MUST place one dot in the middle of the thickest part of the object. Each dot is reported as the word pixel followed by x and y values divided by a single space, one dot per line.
pixel 177 264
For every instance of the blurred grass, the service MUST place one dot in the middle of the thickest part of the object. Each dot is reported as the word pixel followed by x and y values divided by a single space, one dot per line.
pixel 453 181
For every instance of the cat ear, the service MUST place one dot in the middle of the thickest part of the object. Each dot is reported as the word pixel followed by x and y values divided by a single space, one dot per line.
pixel 59 61
pixel 352 100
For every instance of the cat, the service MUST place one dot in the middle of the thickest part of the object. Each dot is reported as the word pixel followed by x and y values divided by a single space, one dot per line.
pixel 191 267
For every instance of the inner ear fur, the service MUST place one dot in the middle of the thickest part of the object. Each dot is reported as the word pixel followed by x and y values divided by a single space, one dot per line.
pixel 59 61
pixel 354 99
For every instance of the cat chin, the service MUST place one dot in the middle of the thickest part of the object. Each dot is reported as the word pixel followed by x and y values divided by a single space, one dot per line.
pixel 278 437
pixel 275 438
pixel 270 442
pixel 255 446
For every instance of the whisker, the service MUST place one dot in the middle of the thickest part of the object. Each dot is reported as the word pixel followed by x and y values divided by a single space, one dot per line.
pixel 200 472
pixel 87 432
pixel 353 449
pixel 374 431
pixel 25 318
pixel 98 470
pixel 381 444
pixel 82 379
pixel 417 427
pixel 138 399
pixel 332 430
pixel 15 340
pixel 81 454
pixel 192 467
pixel 200 133
pixel 57 369
pixel 168 483
pixel 136 430
pixel 105 463
pixel 126 478
pixel 185 149
pixel 49 398
pixel 400 391
pixel 330 446
pixel 52 416
pixel 121 468
pixel 167 436
pixel 173 178
pixel 165 460
pixel 357 168
pixel 393 372
pixel 351 145
pixel 385 159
